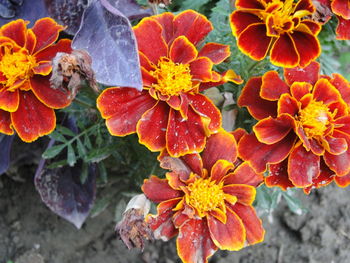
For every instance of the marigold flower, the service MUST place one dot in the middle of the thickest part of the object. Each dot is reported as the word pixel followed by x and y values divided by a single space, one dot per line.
pixel 206 200
pixel 278 27
pixel 303 129
pixel 341 9
pixel 170 112
pixel 27 102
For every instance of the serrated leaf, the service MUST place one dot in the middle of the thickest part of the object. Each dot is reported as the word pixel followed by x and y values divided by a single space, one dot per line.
pixel 58 137
pixel 81 149
pixel 53 151
pixel 65 131
pixel 71 158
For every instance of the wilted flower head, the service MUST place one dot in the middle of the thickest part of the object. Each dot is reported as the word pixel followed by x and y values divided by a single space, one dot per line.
pixel 279 28
pixel 170 113
pixel 27 101
pixel 303 129
pixel 206 200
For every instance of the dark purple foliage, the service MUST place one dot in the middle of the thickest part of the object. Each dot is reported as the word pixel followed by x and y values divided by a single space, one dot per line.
pixel 62 191
pixel 106 34
pixel 5 149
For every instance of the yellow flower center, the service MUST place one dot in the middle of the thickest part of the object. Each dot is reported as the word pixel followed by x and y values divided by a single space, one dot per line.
pixel 315 118
pixel 172 78
pixel 205 195
pixel 16 66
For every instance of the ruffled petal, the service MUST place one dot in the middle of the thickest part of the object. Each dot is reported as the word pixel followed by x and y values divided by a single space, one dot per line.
pixel 182 51
pixel 194 243
pixel 259 154
pixel 335 145
pixel 341 8
pixel 5 123
pixel 240 20
pixel 249 4
pixel 308 74
pixel 287 105
pixel 43 68
pixel 220 169
pixel 64 45
pixel 30 41
pixel 272 86
pixel 220 146
pixel 158 190
pixel 300 89
pixel 284 53
pixel 303 166
pixel 324 91
pixel 257 107
pixel 342 31
pixel 244 193
pixel 166 21
pixel 342 85
pixel 229 236
pixel 217 53
pixel 51 97
pixel 32 118
pixel 270 130
pixel 307 46
pixel 152 127
pixel 343 181
pixel 201 69
pixel 150 40
pixel 239 133
pixel 252 223
pixel 340 164
pixel 122 108
pixel 9 100
pixel 192 25
pixel 15 30
pixel 253 41
pixel 278 176
pixel 46 31
pixel 244 174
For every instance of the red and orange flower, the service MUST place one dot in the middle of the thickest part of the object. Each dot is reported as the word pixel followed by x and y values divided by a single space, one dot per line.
pixel 341 8
pixel 303 129
pixel 206 200
pixel 27 101
pixel 278 27
pixel 170 112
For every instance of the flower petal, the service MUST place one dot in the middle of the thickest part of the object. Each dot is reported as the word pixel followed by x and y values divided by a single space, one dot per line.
pixel 335 145
pixel 253 41
pixel 205 107
pixel 51 97
pixel 229 236
pixel 32 118
pixel 287 105
pixel 152 127
pixel 244 174
pixel 324 91
pixel 342 85
pixel 308 74
pixel 184 136
pixel 201 69
pixel 194 243
pixel 220 170
pixel 272 86
pixel 5 123
pixel 16 30
pixel 284 53
pixel 47 54
pixel 220 146
pixel 341 8
pixel 239 133
pixel 192 25
pixel 259 154
pixel 150 40
pixel 249 4
pixel 257 107
pixel 278 176
pixel 270 130
pixel 244 193
pixel 30 41
pixel 252 223
pixel 182 50
pixel 9 100
pixel 217 53
pixel 240 20
pixel 343 181
pixel 303 166
pixel 342 31
pixel 307 46
pixel 43 68
pixel 46 31
pixel 300 89
pixel 158 190
pixel 166 21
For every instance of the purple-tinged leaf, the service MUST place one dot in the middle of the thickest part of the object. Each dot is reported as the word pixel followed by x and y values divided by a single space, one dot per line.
pixel 130 8
pixel 106 34
pixel 5 146
pixel 62 191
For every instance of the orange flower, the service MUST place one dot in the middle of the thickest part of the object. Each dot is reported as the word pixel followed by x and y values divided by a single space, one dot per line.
pixel 303 129
pixel 206 200
pixel 26 99
pixel 278 27
pixel 170 112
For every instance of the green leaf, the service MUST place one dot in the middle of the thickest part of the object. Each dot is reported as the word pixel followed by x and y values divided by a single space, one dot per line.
pixel 84 172
pixel 71 158
pixel 65 130
pixel 53 151
pixel 99 154
pixel 294 203
pixel 58 137
pixel 57 164
pixel 81 149
pixel 103 172
pixel 193 4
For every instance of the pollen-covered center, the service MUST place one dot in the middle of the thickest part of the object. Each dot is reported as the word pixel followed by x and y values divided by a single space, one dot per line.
pixel 15 66
pixel 172 78
pixel 205 195
pixel 315 118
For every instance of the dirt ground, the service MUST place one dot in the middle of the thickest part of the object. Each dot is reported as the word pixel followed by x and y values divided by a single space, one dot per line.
pixel 31 233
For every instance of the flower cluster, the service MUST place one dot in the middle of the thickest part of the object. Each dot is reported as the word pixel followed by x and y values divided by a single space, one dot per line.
pixel 278 27
pixel 27 101
pixel 302 130
pixel 206 200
